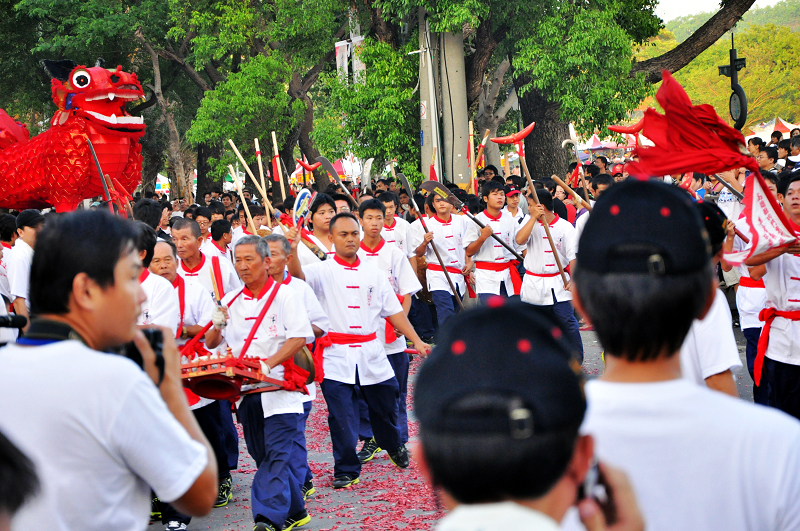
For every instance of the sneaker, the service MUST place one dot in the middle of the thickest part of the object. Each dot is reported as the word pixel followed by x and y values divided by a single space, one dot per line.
pixel 155 510
pixel 344 481
pixel 368 451
pixel 427 339
pixel 225 494
pixel 307 489
pixel 296 520
pixel 174 525
pixel 400 457
pixel 265 526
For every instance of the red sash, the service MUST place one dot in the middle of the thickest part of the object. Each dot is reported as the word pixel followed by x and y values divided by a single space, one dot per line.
pixel 455 271
pixel 511 265
pixel 217 276
pixel 768 315
pixel 389 331
pixel 748 282
pixel 542 275
pixel 336 338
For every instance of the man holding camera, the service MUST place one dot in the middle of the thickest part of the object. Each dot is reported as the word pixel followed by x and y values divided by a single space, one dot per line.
pixel 100 431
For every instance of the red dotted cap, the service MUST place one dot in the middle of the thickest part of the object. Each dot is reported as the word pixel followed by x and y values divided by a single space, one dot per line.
pixel 643 227
pixel 515 355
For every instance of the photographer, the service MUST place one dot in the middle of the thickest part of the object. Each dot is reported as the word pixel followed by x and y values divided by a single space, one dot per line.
pixel 98 430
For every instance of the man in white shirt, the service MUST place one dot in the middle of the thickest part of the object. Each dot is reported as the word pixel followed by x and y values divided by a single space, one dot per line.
pixel 29 223
pixel 161 305
pixel 395 229
pixel 357 298
pixel 697 458
pixel 447 233
pixel 268 321
pixel 543 285
pixel 220 241
pixel 495 267
pixel 500 404
pixel 280 253
pixel 8 234
pixel 780 338
pixel 393 262
pixel 194 264
pixel 195 310
pixel 100 431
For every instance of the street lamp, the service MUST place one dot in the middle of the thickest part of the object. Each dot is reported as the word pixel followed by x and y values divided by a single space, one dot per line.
pixel 737 105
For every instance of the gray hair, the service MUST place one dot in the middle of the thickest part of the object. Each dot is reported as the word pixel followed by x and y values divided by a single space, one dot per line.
pixel 281 239
pixel 261 246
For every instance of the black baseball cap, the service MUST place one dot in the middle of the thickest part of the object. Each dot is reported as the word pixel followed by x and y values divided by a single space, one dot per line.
pixel 511 190
pixel 515 351
pixel 29 218
pixel 714 221
pixel 644 226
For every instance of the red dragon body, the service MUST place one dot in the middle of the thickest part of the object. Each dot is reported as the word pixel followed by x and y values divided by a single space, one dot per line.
pixel 56 168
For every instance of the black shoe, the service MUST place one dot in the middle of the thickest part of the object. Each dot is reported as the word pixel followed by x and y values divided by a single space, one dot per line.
pixel 296 520
pixel 265 526
pixel 344 481
pixel 225 493
pixel 400 457
pixel 368 451
pixel 307 489
pixel 155 510
pixel 427 339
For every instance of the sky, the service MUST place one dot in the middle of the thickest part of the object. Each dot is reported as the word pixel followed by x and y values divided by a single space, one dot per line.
pixel 669 9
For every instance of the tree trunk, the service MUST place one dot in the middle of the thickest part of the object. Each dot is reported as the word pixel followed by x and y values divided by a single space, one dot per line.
pixel 543 151
pixel 307 146
pixel 489 118
pixel 204 180
pixel 153 160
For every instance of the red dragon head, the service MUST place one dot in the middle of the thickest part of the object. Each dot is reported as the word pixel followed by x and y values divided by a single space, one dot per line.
pixel 97 94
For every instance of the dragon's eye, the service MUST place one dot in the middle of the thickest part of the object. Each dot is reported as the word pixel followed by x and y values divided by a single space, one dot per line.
pixel 81 79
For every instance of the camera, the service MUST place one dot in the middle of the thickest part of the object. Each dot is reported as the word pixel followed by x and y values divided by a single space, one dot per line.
pixel 156 340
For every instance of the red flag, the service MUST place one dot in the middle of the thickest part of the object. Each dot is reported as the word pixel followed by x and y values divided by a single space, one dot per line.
pixel 575 178
pixel 432 173
pixel 275 169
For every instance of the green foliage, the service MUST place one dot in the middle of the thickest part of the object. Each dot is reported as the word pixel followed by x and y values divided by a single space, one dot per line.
pixel 380 116
pixel 784 13
pixel 769 80
pixel 249 104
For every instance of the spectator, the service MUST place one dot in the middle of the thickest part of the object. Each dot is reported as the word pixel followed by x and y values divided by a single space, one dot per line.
pixel 767 156
pixel 774 138
pixel 100 431
pixel 753 145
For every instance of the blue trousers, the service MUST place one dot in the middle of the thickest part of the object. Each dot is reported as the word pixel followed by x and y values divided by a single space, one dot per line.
pixel 343 421
pixel 446 305
pixel 273 443
pixel 230 435
pixel 783 385
pixel 421 318
pixel 210 419
pixel 400 365
pixel 760 392
pixel 306 411
pixel 565 313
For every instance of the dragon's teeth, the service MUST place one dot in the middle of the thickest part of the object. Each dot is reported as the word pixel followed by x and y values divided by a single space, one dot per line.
pixel 111 96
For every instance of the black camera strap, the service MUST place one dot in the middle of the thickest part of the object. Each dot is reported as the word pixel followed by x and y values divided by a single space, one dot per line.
pixel 46 331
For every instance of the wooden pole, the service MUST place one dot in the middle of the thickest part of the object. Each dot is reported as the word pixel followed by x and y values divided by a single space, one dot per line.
pixel 544 221
pixel 241 197
pixel 280 173
pixel 246 167
pixel 263 190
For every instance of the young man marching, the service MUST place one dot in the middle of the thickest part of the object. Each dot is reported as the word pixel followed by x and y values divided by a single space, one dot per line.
pixel 495 267
pixel 357 298
pixel 543 285
pixel 395 265
pixel 270 321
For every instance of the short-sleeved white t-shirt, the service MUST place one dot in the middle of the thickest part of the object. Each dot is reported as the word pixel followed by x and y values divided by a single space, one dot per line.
pixel 698 459
pixel 161 306
pixel 19 272
pixel 709 347
pixel 99 434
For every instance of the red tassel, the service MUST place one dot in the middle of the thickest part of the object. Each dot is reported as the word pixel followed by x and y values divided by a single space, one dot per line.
pixel 275 169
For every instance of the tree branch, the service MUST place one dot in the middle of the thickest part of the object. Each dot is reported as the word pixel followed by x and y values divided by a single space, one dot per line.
pixel 497 82
pixel 697 42
pixel 193 74
pixel 502 111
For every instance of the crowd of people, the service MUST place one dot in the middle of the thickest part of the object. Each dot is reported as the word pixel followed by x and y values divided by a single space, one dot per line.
pixel 509 434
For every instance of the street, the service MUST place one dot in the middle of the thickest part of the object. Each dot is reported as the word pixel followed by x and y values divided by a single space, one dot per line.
pixel 387 498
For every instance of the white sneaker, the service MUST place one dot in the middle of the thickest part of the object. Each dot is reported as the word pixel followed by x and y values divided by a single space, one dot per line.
pixel 174 525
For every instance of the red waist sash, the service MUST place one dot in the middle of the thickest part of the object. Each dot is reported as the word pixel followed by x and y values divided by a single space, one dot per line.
pixel 748 282
pixel 768 315
pixel 455 271
pixel 511 265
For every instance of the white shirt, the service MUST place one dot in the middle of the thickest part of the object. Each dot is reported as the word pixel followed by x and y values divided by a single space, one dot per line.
pixel 709 347
pixel 397 234
pixel 285 319
pixel 500 516
pixel 519 216
pixel 541 290
pixel 19 271
pixel 783 293
pixel 202 273
pixel 749 300
pixel 580 223
pixel 210 249
pixel 304 254
pixel 5 287
pixel 99 435
pixel 161 307
pixel 505 227
pixel 394 263
pixel 356 298
pixel 449 240
pixel 698 459
pixel 729 204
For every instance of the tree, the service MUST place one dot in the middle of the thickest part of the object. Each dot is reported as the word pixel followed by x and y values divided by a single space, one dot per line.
pixel 491 116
